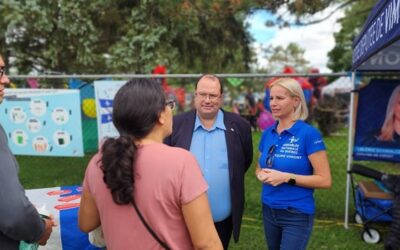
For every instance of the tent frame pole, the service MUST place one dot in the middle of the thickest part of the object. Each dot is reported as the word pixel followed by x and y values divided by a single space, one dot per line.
pixel 350 150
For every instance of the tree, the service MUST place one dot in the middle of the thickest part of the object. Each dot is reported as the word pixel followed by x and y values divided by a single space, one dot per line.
pixel 300 12
pixel 340 57
pixel 292 55
pixel 124 36
pixel 132 36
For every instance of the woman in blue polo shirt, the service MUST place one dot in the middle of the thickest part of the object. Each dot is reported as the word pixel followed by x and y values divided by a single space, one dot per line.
pixel 293 162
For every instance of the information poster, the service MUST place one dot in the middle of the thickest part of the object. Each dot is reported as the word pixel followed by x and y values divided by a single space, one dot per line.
pixel 104 94
pixel 377 135
pixel 44 122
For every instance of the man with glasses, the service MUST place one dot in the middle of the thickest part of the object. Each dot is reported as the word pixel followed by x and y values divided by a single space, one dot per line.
pixel 222 144
pixel 19 219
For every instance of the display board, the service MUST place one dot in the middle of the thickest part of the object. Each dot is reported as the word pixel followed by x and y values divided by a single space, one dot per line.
pixel 375 135
pixel 44 122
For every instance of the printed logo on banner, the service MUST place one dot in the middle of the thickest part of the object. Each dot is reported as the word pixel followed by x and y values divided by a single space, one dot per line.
pixel 104 94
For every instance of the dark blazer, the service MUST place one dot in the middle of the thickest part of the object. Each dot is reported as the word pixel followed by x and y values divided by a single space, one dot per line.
pixel 240 154
pixel 19 219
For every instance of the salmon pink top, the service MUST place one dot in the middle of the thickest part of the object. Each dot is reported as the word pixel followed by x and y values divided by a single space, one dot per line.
pixel 166 179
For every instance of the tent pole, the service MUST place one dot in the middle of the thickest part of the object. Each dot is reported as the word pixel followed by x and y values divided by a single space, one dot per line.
pixel 349 151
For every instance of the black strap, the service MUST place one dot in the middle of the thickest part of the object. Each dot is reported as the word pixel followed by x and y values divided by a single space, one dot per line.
pixel 162 243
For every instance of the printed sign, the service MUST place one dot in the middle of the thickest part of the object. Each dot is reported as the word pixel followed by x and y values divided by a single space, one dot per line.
pixel 377 136
pixel 104 94
pixel 44 122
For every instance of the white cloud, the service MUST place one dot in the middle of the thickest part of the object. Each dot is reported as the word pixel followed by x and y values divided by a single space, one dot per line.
pixel 316 39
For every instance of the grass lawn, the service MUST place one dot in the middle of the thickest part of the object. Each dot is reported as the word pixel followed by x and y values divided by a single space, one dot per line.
pixel 328 233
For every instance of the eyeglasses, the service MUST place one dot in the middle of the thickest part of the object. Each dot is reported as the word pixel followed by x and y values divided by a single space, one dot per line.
pixel 2 71
pixel 211 97
pixel 171 104
pixel 270 157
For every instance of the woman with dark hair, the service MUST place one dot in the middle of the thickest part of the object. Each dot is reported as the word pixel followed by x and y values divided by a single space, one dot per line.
pixel 165 183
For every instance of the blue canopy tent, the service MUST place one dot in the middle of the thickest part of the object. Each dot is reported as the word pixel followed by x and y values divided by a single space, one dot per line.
pixel 376 48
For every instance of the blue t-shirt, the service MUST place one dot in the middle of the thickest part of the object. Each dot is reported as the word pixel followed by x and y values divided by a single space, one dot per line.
pixel 290 154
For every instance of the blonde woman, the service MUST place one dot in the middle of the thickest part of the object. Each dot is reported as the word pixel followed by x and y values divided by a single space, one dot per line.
pixel 292 163
pixel 390 130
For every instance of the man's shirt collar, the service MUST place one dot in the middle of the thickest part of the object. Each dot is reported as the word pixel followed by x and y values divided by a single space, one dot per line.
pixel 219 122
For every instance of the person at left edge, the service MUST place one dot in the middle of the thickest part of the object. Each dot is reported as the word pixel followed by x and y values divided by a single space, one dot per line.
pixel 19 219
pixel 222 144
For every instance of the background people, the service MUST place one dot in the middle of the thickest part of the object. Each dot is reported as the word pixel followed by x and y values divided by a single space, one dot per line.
pixel 235 107
pixel 251 109
pixel 293 162
pixel 222 144
pixel 165 183
pixel 19 219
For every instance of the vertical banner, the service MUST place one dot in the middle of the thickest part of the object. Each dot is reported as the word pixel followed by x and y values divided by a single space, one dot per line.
pixel 104 95
pixel 377 134
pixel 44 122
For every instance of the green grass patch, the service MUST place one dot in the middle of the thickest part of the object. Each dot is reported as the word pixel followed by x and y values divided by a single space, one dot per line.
pixel 328 233
pixel 41 172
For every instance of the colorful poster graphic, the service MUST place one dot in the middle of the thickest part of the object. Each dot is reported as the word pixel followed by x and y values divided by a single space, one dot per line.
pixel 63 204
pixel 104 94
pixel 377 134
pixel 44 122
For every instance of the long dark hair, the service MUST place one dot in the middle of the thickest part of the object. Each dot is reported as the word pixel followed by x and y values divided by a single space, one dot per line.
pixel 136 109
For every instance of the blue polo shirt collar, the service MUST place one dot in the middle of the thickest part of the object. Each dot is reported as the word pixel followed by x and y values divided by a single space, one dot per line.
pixel 219 122
pixel 292 130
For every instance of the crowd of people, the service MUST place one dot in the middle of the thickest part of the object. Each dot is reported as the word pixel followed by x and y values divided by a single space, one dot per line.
pixel 177 182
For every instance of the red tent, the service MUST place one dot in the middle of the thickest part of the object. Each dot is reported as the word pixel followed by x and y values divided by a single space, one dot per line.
pixel 304 83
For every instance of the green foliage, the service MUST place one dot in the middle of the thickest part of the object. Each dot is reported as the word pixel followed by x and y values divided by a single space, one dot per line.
pixel 331 114
pixel 110 36
pixel 291 55
pixel 137 49
pixel 125 36
pixel 340 56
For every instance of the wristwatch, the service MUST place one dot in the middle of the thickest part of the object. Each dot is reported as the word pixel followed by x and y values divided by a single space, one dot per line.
pixel 292 180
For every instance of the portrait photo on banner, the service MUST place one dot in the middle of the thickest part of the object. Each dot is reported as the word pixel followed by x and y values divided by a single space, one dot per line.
pixel 377 132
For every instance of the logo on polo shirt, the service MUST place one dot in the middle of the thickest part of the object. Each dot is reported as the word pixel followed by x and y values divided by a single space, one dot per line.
pixel 293 140
pixel 290 149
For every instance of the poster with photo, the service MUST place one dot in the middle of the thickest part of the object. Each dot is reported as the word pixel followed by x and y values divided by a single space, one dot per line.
pixel 377 133
pixel 44 122
pixel 104 95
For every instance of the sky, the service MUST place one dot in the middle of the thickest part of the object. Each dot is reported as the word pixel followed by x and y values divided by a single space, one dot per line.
pixel 316 39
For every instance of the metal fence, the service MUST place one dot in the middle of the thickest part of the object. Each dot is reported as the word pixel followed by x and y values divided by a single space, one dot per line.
pixel 329 114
